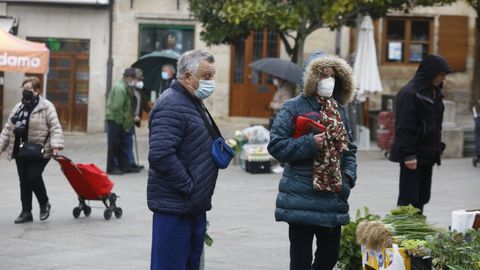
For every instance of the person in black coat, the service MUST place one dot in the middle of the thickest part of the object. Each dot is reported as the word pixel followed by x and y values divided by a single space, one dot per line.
pixel 418 130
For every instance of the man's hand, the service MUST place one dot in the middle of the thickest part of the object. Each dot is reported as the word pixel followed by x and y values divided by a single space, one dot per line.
pixel 411 164
pixel 55 151
pixel 319 139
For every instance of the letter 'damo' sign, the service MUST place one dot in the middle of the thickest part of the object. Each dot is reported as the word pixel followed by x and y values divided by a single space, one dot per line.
pixel 19 55
pixel 21 63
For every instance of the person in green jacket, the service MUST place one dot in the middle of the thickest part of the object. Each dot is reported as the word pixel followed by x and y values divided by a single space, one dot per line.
pixel 119 117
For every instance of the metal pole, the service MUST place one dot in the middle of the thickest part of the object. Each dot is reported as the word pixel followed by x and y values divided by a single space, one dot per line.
pixel 110 45
pixel 338 40
pixel 136 146
pixel 110 59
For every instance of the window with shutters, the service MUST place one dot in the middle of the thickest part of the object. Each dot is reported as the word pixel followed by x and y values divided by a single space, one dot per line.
pixel 406 40
pixel 453 41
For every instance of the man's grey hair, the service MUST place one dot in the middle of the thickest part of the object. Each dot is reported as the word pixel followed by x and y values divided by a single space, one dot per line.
pixel 189 61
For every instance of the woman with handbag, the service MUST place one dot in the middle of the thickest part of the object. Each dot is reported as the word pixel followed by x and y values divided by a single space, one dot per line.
pixel 320 167
pixel 30 136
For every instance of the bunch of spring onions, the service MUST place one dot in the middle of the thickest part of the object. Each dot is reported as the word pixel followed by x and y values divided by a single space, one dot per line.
pixel 407 223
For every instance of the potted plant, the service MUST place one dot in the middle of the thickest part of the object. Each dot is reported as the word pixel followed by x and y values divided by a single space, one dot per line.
pixel 418 253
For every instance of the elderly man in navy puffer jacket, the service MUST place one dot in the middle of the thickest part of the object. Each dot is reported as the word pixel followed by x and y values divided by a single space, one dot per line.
pixel 182 174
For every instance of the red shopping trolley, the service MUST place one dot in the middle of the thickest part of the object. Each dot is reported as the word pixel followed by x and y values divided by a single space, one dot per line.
pixel 90 183
pixel 385 131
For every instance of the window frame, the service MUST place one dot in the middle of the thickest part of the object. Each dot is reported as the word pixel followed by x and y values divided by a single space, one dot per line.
pixel 142 26
pixel 407 41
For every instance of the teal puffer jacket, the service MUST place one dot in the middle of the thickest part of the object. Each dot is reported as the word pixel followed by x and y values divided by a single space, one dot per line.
pixel 297 201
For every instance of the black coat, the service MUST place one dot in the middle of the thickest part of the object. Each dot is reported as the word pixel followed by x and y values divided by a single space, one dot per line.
pixel 419 115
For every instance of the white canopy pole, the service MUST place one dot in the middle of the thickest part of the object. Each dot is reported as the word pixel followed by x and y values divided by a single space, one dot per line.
pixel 45 84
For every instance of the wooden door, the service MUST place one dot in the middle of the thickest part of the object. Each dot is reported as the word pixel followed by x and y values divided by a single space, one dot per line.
pixel 67 88
pixel 252 92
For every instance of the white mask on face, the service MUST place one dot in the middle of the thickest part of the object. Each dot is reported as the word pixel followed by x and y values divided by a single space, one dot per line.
pixel 325 87
pixel 165 75
pixel 139 85
pixel 275 82
pixel 205 89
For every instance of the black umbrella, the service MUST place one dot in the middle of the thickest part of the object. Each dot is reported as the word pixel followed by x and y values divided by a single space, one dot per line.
pixel 151 65
pixel 281 68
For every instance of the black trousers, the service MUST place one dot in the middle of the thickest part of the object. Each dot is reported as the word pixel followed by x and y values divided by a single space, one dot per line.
pixel 115 142
pixel 328 247
pixel 415 186
pixel 30 174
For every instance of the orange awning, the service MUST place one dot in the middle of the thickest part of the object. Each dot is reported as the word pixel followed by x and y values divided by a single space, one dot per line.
pixel 20 55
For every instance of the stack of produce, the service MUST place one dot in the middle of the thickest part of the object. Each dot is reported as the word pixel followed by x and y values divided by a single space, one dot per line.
pixel 407 223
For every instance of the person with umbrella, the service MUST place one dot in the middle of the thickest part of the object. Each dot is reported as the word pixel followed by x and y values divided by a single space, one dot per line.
pixel 168 74
pixel 152 66
pixel 285 91
pixel 286 75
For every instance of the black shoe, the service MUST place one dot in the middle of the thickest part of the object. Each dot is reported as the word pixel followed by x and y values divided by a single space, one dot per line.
pixel 116 171
pixel 45 211
pixel 137 166
pixel 131 170
pixel 25 216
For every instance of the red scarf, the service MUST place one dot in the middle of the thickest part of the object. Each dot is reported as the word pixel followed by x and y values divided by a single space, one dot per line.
pixel 327 175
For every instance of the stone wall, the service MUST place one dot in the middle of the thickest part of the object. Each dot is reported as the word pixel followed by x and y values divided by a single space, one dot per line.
pixel 458 86
pixel 45 21
pixel 127 20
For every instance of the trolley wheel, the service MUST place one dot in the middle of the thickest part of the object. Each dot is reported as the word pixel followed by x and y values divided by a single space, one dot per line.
pixel 76 212
pixel 474 162
pixel 118 212
pixel 107 214
pixel 87 211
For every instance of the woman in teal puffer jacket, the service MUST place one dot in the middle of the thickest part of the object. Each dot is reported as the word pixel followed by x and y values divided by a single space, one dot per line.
pixel 307 211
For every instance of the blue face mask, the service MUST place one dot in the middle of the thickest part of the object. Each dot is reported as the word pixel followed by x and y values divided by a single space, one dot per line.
pixel 165 75
pixel 205 89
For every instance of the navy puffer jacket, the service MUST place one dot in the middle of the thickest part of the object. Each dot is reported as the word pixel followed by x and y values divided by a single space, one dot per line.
pixel 182 174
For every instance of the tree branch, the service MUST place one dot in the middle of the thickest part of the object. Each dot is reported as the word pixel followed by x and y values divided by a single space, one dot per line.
pixel 289 35
pixel 312 27
pixel 287 45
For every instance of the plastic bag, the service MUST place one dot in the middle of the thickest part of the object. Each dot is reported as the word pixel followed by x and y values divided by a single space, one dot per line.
pixel 396 261
pixel 257 134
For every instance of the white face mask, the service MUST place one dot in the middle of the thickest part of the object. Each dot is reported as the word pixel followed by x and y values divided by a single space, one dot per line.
pixel 165 75
pixel 205 89
pixel 139 85
pixel 325 87
pixel 276 82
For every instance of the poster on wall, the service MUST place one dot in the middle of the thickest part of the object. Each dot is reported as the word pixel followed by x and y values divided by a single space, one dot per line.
pixel 416 52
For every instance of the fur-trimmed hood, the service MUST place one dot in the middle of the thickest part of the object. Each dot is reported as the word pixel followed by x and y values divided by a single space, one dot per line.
pixel 344 89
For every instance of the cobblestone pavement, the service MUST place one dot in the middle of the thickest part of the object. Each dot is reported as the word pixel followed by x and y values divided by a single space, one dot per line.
pixel 242 225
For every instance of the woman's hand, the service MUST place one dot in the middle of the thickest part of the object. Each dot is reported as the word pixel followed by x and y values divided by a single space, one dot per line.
pixel 319 139
pixel 56 151
pixel 411 164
